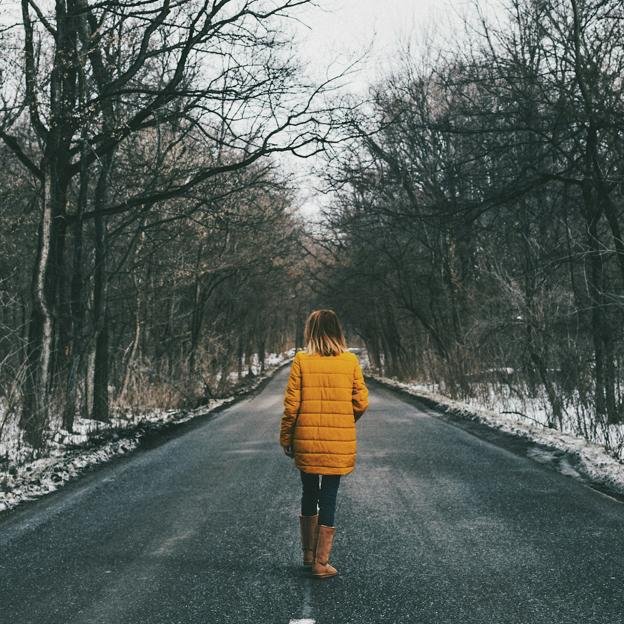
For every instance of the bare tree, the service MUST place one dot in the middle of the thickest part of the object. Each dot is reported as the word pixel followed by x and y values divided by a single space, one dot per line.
pixel 211 87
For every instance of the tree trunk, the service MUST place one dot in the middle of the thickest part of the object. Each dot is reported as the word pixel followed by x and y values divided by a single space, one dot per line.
pixel 34 415
pixel 100 408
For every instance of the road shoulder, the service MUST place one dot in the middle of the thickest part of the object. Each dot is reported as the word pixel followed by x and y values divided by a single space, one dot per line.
pixel 609 479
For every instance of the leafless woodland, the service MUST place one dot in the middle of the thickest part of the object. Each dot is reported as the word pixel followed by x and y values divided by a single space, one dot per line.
pixel 474 238
pixel 471 230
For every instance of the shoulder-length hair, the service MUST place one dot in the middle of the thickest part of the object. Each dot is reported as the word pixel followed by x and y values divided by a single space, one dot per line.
pixel 323 333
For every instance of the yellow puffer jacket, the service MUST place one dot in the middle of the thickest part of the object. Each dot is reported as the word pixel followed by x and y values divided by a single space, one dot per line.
pixel 324 397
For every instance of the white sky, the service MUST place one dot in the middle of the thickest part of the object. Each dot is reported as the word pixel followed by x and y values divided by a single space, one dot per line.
pixel 337 32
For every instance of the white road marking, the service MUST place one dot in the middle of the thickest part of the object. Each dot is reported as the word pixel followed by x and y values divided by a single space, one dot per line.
pixel 306 608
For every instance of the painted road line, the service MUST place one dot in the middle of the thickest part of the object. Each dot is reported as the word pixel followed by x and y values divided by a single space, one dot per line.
pixel 306 621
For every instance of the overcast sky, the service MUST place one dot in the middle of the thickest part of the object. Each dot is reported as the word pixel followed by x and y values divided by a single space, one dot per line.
pixel 337 32
pixel 340 30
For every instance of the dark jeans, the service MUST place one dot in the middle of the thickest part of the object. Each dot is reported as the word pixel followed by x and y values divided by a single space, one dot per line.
pixel 323 495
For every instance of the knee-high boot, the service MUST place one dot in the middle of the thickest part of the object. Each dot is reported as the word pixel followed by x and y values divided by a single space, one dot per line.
pixel 321 568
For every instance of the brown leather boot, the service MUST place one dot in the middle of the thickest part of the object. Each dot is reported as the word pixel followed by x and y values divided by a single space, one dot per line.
pixel 321 568
pixel 308 525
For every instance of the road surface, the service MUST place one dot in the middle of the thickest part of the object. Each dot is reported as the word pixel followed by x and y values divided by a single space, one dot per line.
pixel 435 526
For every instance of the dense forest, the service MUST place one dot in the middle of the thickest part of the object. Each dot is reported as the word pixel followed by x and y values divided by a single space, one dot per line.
pixel 471 231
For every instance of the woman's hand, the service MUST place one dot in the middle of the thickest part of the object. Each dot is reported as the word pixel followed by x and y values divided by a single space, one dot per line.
pixel 289 451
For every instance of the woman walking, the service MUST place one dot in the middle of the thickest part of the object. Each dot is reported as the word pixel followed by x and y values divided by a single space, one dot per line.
pixel 324 398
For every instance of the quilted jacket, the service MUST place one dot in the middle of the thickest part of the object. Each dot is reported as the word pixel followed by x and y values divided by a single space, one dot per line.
pixel 325 395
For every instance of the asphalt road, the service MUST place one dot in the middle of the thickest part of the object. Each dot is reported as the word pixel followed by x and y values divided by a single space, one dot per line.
pixel 434 526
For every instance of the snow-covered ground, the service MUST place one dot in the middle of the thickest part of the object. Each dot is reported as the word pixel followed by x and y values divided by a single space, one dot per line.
pixel 69 454
pixel 572 454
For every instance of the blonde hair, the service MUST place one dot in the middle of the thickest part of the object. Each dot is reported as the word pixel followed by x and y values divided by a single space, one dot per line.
pixel 323 333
